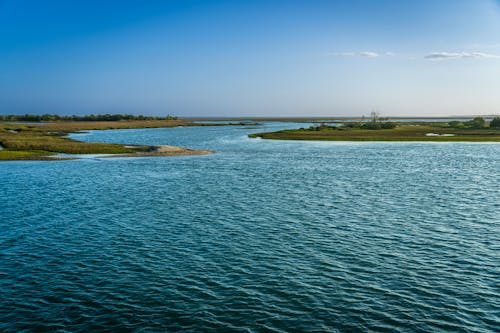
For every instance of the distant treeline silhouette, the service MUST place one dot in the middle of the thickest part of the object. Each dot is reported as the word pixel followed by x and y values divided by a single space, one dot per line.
pixel 91 117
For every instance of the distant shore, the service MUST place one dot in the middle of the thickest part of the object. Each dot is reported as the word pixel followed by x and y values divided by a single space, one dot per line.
pixel 324 119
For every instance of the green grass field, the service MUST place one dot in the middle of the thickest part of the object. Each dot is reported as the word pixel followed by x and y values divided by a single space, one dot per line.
pixel 406 132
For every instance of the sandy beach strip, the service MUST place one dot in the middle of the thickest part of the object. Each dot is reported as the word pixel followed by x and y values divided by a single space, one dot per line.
pixel 164 150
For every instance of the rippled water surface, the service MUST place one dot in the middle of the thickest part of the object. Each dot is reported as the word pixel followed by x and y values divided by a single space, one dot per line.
pixel 261 236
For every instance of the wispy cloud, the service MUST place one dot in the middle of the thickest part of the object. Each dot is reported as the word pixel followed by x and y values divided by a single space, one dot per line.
pixel 369 54
pixel 342 54
pixel 434 56
pixel 459 55
pixel 365 54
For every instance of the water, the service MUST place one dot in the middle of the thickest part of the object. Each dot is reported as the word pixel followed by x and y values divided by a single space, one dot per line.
pixel 261 236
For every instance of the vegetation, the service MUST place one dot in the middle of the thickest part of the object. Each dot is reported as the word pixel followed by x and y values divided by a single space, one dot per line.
pixel 73 126
pixel 371 125
pixel 402 132
pixel 23 155
pixel 495 123
pixel 92 117
pixel 374 123
pixel 40 141
pixel 477 122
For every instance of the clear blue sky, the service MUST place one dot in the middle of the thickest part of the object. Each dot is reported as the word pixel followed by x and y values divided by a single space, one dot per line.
pixel 250 58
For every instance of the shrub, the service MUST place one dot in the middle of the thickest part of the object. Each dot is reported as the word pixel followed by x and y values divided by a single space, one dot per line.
pixel 375 123
pixel 456 124
pixel 352 125
pixel 495 122
pixel 388 125
pixel 372 125
pixel 477 122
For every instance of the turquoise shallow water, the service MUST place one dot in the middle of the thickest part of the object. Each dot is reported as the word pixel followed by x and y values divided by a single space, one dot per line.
pixel 261 236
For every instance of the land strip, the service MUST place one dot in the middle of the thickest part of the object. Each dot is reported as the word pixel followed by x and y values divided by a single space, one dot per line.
pixel 43 141
pixel 436 132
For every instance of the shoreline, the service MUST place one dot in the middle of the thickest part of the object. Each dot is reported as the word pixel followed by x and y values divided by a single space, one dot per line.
pixel 164 150
pixel 436 132
pixel 45 141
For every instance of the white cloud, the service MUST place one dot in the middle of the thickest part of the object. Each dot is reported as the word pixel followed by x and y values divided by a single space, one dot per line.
pixel 459 55
pixel 343 54
pixel 366 54
pixel 434 56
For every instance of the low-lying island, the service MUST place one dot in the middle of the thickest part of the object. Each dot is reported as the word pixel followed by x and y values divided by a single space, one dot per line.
pixel 49 141
pixel 417 131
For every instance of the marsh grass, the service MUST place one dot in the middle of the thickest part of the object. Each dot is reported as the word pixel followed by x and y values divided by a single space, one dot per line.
pixel 23 155
pixel 407 132
pixel 39 141
pixel 72 126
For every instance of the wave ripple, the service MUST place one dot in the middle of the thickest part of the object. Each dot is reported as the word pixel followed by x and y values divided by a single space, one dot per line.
pixel 262 236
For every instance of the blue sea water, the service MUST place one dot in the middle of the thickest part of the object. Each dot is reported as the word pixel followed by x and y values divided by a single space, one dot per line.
pixel 261 236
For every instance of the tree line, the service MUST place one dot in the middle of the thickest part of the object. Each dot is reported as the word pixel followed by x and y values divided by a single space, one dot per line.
pixel 91 117
pixel 477 122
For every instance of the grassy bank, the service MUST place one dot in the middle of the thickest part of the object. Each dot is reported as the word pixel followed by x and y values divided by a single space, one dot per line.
pixel 406 132
pixel 24 155
pixel 40 141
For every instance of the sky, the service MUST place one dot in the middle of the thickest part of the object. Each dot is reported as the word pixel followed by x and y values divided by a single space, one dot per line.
pixel 250 58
